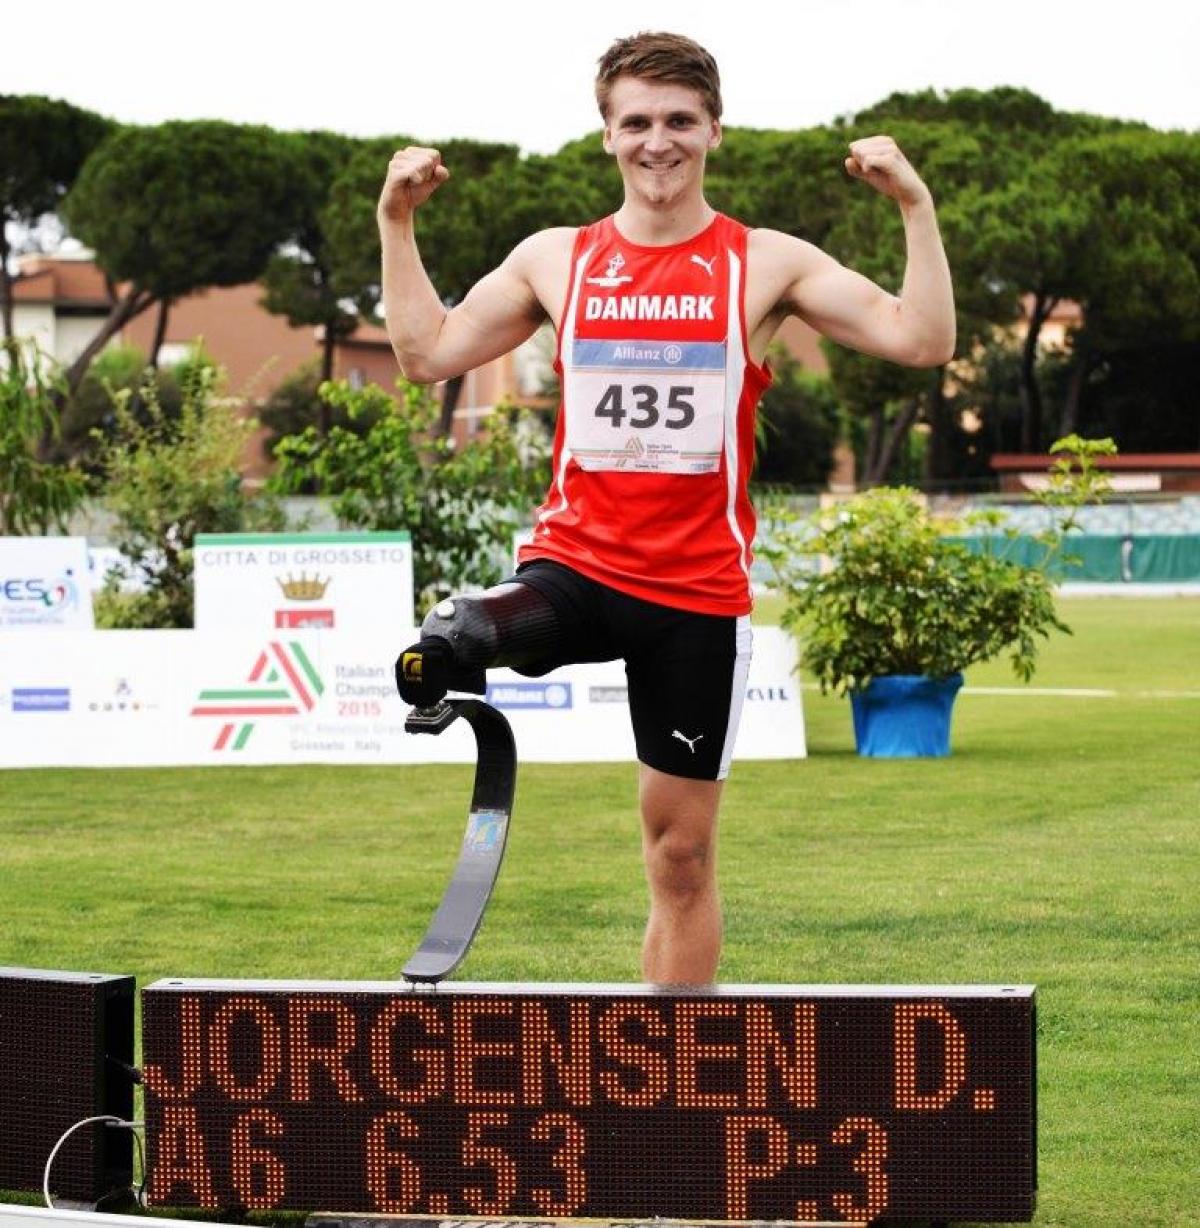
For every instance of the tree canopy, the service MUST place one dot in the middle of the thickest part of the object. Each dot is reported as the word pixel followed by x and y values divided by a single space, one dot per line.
pixel 43 144
pixel 181 206
pixel 493 199
pixel 1037 206
pixel 299 278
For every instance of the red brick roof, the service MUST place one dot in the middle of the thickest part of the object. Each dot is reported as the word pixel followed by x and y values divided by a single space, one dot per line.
pixel 68 283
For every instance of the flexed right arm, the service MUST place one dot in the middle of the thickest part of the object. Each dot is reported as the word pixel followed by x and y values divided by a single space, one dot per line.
pixel 432 342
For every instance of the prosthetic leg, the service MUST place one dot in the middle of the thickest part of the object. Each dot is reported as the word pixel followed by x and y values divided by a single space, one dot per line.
pixel 511 624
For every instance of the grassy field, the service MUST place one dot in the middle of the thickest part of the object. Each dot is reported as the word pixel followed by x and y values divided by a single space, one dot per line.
pixel 1058 846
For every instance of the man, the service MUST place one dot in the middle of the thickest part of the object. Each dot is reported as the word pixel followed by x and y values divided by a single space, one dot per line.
pixel 642 548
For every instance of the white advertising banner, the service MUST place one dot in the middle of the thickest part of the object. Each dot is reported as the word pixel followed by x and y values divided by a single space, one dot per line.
pixel 44 584
pixel 282 582
pixel 124 698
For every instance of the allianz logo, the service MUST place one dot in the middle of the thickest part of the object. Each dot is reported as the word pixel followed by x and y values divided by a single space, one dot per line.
pixel 529 694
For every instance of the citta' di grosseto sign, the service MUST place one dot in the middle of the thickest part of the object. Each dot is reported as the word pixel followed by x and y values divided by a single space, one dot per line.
pixel 791 1103
pixel 281 582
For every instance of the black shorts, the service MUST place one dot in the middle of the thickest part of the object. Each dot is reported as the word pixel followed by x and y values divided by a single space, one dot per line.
pixel 686 671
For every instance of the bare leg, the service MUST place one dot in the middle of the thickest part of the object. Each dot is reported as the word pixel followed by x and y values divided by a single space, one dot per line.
pixel 679 822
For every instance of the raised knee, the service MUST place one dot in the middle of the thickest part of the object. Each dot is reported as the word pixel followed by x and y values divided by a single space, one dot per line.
pixel 458 639
pixel 511 624
pixel 467 625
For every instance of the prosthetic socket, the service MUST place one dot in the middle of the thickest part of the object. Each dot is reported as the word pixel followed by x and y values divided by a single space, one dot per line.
pixel 509 625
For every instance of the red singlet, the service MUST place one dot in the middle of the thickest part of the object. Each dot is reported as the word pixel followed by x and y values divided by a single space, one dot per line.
pixel 655 436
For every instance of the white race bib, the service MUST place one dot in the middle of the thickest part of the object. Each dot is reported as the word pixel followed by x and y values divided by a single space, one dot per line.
pixel 646 406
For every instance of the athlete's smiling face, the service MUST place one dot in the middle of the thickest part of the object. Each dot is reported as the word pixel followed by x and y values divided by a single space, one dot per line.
pixel 660 134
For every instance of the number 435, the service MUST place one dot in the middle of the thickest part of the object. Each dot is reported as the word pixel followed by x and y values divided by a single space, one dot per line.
pixel 645 397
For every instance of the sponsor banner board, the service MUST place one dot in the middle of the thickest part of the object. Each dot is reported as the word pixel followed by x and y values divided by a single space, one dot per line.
pixel 44 584
pixel 266 582
pixel 285 696
pixel 100 698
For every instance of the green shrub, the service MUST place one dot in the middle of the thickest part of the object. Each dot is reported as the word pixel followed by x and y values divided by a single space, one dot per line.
pixel 167 479
pixel 460 504
pixel 800 421
pixel 114 609
pixel 89 418
pixel 35 495
pixel 894 596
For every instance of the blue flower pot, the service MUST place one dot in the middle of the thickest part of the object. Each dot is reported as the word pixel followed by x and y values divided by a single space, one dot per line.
pixel 904 716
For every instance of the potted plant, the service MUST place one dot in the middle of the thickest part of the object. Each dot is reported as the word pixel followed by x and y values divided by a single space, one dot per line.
pixel 897 605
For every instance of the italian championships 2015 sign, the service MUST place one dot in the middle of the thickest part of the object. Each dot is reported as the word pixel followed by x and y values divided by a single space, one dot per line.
pixel 737 1103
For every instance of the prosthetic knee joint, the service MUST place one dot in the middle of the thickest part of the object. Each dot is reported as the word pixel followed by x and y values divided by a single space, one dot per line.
pixel 461 637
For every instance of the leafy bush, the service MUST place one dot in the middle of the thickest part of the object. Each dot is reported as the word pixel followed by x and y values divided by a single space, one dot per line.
pixel 800 422
pixel 293 406
pixel 34 495
pixel 296 404
pixel 460 504
pixel 89 418
pixel 113 609
pixel 167 479
pixel 895 596
pixel 90 409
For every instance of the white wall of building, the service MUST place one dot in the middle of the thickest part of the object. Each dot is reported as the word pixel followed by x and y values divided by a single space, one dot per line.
pixel 74 333
pixel 36 320
pixel 60 337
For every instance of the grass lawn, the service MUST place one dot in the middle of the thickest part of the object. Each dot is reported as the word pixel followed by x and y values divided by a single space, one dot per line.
pixel 1057 846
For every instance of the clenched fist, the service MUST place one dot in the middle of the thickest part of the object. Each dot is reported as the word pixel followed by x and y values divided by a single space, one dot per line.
pixel 413 175
pixel 878 160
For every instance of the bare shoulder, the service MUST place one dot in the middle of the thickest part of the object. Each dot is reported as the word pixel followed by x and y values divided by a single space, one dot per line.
pixel 777 265
pixel 781 260
pixel 543 263
pixel 550 246
pixel 774 243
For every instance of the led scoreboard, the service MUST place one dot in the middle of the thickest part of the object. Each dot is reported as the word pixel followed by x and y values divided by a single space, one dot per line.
pixel 617 1101
pixel 66 1054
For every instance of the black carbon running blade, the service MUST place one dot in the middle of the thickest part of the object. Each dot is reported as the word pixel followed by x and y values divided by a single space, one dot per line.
pixel 457 919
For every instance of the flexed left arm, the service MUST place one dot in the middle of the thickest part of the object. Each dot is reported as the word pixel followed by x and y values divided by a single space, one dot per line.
pixel 916 327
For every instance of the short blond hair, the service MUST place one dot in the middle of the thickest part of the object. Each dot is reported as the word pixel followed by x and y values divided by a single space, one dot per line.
pixel 660 56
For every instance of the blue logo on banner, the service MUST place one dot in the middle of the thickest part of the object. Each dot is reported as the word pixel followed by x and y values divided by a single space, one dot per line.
pixel 41 699
pixel 529 694
pixel 54 594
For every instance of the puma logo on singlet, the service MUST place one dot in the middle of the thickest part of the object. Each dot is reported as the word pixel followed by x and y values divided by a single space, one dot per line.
pixel 691 742
pixel 706 265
